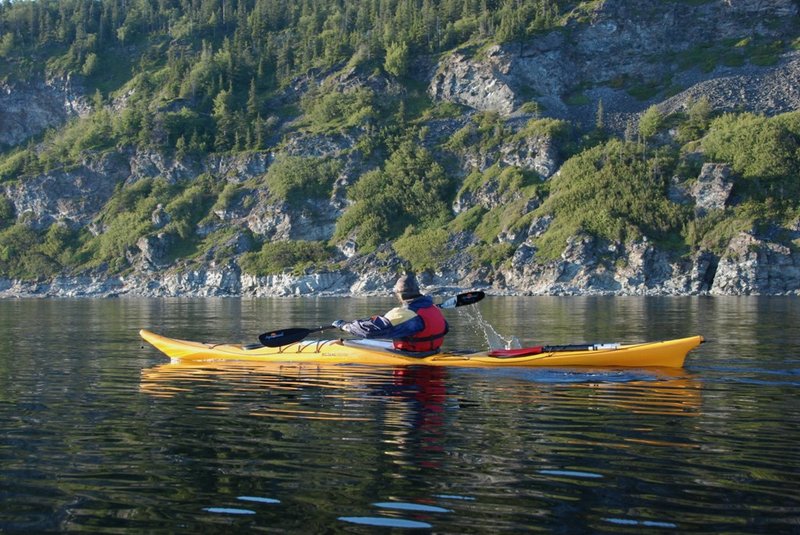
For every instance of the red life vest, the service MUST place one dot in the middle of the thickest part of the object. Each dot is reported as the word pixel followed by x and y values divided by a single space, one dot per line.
pixel 431 337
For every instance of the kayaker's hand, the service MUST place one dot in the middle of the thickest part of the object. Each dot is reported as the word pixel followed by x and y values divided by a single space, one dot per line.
pixel 339 324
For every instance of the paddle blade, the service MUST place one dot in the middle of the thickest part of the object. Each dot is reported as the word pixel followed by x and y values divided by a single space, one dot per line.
pixel 283 337
pixel 467 298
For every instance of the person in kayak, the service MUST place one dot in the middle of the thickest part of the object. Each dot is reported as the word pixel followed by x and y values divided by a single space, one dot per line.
pixel 416 326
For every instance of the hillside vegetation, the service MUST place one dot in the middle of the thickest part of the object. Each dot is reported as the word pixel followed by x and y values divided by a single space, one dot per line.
pixel 193 80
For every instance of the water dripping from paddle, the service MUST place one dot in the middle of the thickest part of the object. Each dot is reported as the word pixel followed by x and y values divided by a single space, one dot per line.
pixel 494 339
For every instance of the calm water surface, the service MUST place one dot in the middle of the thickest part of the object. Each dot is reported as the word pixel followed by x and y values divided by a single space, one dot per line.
pixel 99 434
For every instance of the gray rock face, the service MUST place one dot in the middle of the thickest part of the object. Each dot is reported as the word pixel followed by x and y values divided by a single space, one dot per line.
pixel 713 187
pixel 590 266
pixel 537 154
pixel 28 109
pixel 753 266
pixel 154 251
pixel 151 164
pixel 73 197
pixel 629 41
pixel 479 85
pixel 763 90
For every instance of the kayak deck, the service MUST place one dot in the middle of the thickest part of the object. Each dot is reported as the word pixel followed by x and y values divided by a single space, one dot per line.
pixel 669 353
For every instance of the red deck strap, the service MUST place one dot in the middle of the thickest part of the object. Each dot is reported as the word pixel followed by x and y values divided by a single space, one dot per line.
pixel 516 352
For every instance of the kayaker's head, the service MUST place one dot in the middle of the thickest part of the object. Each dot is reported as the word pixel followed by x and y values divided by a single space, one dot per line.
pixel 406 287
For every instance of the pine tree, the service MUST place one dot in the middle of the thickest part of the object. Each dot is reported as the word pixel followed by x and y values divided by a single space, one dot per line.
pixel 252 101
pixel 599 122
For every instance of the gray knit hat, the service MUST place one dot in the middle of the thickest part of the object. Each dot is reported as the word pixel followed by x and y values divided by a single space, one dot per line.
pixel 407 286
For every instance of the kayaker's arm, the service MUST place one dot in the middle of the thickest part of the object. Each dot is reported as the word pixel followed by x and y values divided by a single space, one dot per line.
pixel 381 327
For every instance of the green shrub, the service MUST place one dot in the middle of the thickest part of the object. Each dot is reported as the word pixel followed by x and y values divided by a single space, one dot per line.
pixel 411 189
pixel 187 208
pixel 532 107
pixel 703 56
pixel 6 212
pixel 646 91
pixel 60 243
pixel 21 255
pixel 396 59
pixel 460 140
pixel 610 193
pixel 334 109
pixel 14 164
pixel 277 257
pixel 6 44
pixel 120 235
pixel 491 254
pixel 714 230
pixel 140 196
pixel 226 197
pixel 296 179
pixel 491 224
pixel 515 189
pixel 766 54
pixel 696 122
pixel 757 147
pixel 425 250
pixel 468 220
pixel 577 98
pixel 556 129
pixel 485 131
pixel 508 180
pixel 128 216
pixel 444 110
pixel 650 122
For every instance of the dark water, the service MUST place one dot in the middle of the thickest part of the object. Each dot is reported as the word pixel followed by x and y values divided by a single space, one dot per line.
pixel 98 434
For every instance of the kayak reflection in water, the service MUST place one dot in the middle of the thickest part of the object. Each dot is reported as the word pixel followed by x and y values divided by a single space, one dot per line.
pixel 416 326
pixel 425 390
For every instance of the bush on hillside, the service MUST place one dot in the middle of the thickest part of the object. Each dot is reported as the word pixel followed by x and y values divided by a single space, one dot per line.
pixel 279 256
pixel 411 189
pixel 609 192
pixel 296 179
pixel 425 250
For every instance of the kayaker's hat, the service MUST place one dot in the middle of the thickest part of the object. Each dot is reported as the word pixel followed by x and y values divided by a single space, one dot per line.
pixel 406 286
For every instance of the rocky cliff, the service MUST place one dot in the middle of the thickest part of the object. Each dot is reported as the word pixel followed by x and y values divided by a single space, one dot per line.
pixel 627 51
pixel 27 109
pixel 623 56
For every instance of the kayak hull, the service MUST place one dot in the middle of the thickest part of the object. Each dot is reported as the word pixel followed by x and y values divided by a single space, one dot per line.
pixel 668 354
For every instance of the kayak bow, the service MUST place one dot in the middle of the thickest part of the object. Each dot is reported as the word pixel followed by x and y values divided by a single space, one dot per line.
pixel 669 353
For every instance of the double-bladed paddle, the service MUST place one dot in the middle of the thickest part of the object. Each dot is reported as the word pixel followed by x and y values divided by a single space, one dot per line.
pixel 295 334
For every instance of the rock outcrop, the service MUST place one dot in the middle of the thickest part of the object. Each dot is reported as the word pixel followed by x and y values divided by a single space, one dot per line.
pixel 72 197
pixel 481 85
pixel 624 46
pixel 713 188
pixel 28 109
pixel 754 266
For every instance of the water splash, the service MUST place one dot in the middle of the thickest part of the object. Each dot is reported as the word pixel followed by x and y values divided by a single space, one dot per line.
pixel 494 339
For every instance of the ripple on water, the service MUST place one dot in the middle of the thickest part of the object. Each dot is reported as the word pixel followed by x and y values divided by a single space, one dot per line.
pixel 98 435
pixel 386 522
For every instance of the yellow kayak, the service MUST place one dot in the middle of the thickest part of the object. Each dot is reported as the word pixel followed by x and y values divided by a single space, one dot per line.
pixel 669 353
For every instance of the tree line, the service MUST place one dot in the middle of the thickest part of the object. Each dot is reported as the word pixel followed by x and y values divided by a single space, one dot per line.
pixel 221 58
